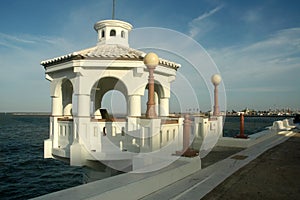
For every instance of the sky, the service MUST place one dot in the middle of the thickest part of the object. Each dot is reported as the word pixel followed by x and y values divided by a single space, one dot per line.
pixel 254 44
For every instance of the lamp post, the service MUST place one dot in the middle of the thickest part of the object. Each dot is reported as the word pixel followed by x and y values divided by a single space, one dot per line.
pixel 216 80
pixel 151 60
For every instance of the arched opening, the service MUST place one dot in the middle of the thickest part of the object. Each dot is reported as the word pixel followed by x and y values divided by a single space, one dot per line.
pixel 109 93
pixel 102 34
pixel 115 103
pixel 67 93
pixel 123 34
pixel 112 32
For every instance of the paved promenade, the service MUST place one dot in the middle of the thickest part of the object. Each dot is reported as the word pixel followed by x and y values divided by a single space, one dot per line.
pixel 267 170
pixel 273 175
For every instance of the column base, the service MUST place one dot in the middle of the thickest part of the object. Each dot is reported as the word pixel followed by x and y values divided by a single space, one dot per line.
pixel 188 153
pixel 241 136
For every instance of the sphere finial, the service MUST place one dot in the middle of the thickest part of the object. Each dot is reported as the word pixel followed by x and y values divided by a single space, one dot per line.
pixel 151 60
pixel 216 79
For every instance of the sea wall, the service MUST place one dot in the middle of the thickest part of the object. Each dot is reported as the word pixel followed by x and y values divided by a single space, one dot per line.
pixel 279 127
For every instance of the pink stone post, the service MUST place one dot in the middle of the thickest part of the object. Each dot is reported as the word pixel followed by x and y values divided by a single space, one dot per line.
pixel 216 79
pixel 216 102
pixel 151 61
pixel 186 150
pixel 186 132
pixel 242 128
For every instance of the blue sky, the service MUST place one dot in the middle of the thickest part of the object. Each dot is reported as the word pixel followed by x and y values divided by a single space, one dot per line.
pixel 255 44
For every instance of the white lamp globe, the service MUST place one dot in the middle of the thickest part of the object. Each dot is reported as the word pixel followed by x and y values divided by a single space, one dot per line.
pixel 216 79
pixel 151 60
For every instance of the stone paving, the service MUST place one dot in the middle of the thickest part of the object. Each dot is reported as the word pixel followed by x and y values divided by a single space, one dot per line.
pixel 271 166
pixel 273 175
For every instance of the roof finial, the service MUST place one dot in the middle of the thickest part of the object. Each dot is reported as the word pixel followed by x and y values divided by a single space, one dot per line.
pixel 113 9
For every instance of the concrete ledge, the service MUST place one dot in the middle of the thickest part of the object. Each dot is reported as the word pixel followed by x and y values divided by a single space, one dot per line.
pixel 61 152
pixel 245 143
pixel 130 186
pixel 203 181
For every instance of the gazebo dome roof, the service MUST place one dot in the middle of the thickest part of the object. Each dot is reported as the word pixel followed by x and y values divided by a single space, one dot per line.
pixel 109 47
pixel 107 52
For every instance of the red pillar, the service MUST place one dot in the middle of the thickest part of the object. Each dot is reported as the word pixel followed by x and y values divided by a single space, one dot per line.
pixel 150 113
pixel 242 128
pixel 216 102
pixel 242 119
pixel 186 150
pixel 151 60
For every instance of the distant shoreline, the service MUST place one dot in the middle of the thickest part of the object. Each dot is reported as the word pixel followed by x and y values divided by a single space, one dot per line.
pixel 26 113
pixel 288 116
pixel 48 114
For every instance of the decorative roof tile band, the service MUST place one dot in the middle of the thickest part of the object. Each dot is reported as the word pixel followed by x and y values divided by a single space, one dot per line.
pixel 107 52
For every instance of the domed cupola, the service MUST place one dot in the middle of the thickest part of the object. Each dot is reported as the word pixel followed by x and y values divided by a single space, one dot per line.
pixel 113 32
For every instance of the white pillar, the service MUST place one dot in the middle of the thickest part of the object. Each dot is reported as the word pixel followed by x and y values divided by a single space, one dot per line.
pixel 83 103
pixel 56 106
pixel 56 109
pixel 164 107
pixel 54 128
pixel 134 106
pixel 156 103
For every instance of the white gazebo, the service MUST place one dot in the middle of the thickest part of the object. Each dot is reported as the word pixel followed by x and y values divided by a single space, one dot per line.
pixel 82 131
pixel 79 80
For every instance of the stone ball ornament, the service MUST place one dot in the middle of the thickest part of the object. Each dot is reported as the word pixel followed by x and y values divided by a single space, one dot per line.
pixel 216 79
pixel 151 60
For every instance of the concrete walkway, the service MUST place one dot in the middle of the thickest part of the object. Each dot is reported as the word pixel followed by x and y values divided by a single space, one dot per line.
pixel 201 183
pixel 227 173
pixel 273 175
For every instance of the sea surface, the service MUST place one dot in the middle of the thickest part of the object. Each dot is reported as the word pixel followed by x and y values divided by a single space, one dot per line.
pixel 251 124
pixel 24 173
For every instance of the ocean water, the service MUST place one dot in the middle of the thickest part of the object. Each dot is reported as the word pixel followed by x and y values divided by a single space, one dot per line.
pixel 24 173
pixel 251 124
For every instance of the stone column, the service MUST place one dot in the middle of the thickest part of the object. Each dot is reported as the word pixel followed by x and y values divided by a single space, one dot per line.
pixel 134 106
pixel 156 101
pixel 83 103
pixel 56 107
pixel 186 132
pixel 216 102
pixel 216 79
pixel 242 124
pixel 151 60
pixel 164 107
pixel 242 135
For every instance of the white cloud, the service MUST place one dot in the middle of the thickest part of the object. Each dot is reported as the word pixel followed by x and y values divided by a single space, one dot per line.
pixel 12 38
pixel 207 14
pixel 260 89
pixel 197 66
pixel 27 42
pixel 201 24
pixel 274 62
pixel 21 73
pixel 21 54
pixel 253 15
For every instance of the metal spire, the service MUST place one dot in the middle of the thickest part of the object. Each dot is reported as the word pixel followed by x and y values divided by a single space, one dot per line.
pixel 113 9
